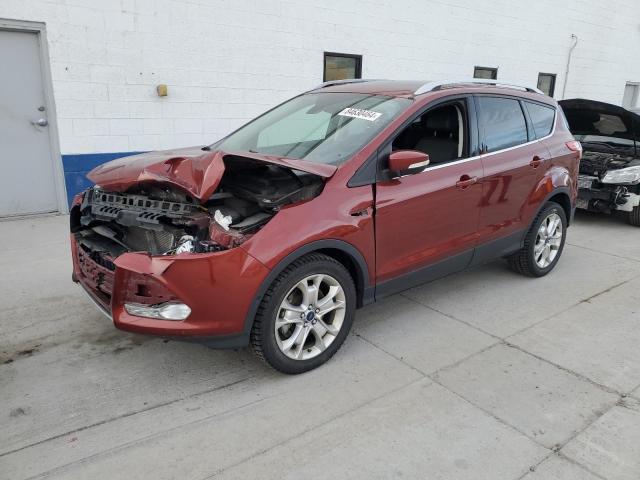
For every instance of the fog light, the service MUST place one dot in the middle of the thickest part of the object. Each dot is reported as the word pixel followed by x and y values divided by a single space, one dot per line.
pixel 162 311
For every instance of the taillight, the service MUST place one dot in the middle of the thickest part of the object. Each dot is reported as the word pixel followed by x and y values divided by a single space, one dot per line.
pixel 574 146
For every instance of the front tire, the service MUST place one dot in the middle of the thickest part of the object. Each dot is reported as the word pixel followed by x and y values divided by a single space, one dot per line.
pixel 305 315
pixel 543 244
pixel 634 216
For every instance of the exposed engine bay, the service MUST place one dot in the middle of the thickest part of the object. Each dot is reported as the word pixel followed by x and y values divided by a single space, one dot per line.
pixel 598 163
pixel 162 219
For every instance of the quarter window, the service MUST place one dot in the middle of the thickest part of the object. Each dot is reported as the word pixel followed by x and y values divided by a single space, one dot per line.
pixel 503 123
pixel 541 117
pixel 485 72
pixel 340 66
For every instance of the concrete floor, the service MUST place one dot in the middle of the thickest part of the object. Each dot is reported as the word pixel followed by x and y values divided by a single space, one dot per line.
pixel 482 375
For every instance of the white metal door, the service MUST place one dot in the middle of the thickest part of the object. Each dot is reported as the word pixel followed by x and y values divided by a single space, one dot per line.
pixel 27 177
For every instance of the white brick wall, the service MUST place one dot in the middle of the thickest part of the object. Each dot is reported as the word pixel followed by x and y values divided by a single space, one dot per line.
pixel 227 60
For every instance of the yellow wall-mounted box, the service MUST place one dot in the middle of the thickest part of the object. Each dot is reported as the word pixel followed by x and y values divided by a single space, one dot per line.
pixel 162 90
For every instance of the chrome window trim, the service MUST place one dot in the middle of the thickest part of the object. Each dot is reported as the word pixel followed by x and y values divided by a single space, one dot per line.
pixel 485 155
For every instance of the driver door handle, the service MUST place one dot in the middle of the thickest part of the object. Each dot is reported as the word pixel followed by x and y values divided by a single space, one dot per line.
pixel 466 181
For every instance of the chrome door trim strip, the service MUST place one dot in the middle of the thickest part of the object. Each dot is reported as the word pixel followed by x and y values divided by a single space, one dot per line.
pixel 485 155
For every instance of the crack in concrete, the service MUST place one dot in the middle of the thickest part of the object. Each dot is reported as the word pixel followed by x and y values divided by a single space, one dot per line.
pixel 124 415
pixel 564 369
pixel 401 360
pixel 584 467
pixel 580 302
pixel 320 425
pixel 434 376
pixel 487 412
pixel 137 441
pixel 452 317
pixel 604 253
pixel 83 460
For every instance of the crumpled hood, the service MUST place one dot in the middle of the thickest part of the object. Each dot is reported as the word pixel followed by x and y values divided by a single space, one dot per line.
pixel 196 171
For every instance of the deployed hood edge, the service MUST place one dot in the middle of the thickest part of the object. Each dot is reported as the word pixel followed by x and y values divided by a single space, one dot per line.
pixel 196 171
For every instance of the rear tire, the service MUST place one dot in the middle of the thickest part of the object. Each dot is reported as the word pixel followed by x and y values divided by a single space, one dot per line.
pixel 305 315
pixel 543 244
pixel 634 217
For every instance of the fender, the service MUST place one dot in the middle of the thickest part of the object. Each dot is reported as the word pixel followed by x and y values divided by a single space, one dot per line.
pixel 362 273
pixel 555 180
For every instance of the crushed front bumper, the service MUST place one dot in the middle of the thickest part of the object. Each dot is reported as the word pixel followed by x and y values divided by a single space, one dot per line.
pixel 218 287
pixel 601 197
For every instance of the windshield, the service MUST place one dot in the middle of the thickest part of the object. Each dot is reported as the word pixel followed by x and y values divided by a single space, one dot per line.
pixel 319 127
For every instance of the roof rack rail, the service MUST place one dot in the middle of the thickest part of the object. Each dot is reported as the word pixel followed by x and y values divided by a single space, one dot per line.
pixel 331 83
pixel 432 86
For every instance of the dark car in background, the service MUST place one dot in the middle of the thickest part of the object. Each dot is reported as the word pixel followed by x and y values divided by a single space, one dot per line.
pixel 609 178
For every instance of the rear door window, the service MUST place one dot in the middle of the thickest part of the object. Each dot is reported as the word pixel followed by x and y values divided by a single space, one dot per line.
pixel 542 118
pixel 502 122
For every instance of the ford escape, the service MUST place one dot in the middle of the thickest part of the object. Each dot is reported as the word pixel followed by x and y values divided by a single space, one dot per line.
pixel 274 236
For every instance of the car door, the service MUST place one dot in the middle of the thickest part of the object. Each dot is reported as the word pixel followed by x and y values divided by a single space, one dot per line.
pixel 513 163
pixel 426 222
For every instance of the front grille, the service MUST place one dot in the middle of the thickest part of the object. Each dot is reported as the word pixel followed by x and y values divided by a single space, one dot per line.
pixel 110 204
pixel 103 260
pixel 96 273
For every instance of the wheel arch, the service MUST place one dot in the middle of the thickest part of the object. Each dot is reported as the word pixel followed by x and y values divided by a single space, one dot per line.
pixel 556 185
pixel 562 199
pixel 342 251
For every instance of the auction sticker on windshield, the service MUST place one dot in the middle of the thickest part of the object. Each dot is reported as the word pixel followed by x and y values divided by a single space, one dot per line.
pixel 361 114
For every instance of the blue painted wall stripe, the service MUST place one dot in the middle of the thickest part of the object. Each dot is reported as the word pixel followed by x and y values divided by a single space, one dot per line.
pixel 76 167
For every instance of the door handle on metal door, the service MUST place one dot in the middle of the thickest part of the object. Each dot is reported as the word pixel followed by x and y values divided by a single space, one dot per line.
pixel 466 181
pixel 41 122
pixel 536 162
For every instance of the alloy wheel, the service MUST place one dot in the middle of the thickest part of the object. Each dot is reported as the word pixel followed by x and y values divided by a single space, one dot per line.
pixel 310 317
pixel 548 240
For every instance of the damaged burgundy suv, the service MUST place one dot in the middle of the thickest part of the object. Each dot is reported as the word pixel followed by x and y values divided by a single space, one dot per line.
pixel 343 195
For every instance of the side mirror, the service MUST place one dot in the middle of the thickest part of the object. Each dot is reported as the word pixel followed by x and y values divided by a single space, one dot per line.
pixel 404 161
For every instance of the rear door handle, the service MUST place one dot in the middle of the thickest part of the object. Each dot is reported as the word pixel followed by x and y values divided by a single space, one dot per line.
pixel 466 181
pixel 536 162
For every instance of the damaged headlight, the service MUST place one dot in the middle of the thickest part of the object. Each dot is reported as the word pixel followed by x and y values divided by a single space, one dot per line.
pixel 628 176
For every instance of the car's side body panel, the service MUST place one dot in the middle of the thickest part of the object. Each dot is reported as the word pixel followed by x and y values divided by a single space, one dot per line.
pixel 507 187
pixel 424 218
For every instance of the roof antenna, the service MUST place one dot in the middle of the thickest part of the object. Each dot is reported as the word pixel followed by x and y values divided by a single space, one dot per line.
pixel 566 73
